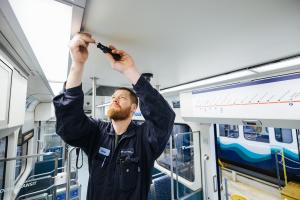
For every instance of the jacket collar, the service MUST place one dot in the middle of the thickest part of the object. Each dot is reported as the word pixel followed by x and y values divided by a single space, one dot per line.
pixel 127 133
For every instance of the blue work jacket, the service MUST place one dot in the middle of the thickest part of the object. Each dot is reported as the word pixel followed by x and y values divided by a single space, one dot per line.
pixel 123 171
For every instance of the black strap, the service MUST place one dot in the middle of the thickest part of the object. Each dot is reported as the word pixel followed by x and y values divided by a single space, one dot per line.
pixel 77 157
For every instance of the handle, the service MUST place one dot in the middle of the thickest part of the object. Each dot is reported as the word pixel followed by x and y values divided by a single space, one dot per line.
pixel 105 49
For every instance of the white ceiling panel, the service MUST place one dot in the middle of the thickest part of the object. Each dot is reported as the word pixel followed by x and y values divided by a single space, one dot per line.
pixel 181 41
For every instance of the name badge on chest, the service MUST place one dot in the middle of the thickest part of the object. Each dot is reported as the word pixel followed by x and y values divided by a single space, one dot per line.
pixel 104 151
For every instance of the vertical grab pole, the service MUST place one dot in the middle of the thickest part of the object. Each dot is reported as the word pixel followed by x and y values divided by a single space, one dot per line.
pixel 94 79
pixel 55 173
pixel 277 169
pixel 69 174
pixel 171 155
pixel 205 159
pixel 226 189
pixel 176 165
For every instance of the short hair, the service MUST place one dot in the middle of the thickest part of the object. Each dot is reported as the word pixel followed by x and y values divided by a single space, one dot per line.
pixel 133 96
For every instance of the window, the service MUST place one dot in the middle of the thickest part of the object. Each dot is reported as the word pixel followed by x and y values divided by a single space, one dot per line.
pixel 3 150
pixel 283 135
pixel 183 152
pixel 21 163
pixel 50 138
pixel 259 134
pixel 22 150
pixel 231 131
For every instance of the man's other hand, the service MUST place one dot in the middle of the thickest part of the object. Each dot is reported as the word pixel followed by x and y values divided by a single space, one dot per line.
pixel 78 47
pixel 125 64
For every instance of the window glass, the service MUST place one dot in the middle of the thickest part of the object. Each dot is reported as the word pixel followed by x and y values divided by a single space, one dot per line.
pixel 231 131
pixel 21 163
pixel 3 144
pixel 21 151
pixel 259 134
pixel 51 141
pixel 283 135
pixel 182 150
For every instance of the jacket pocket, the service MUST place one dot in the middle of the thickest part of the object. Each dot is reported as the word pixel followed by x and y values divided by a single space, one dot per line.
pixel 99 166
pixel 129 170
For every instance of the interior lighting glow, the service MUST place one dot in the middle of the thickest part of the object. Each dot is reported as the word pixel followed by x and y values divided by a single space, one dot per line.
pixel 47 26
pixel 209 81
pixel 278 65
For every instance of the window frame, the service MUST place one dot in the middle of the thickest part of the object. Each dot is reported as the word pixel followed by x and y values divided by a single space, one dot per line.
pixel 281 136
pixel 160 163
pixel 224 136
pixel 267 130
pixel 23 141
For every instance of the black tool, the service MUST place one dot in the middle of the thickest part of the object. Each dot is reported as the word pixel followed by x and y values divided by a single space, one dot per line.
pixel 105 49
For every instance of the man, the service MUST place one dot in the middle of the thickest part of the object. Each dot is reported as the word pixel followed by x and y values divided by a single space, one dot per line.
pixel 121 154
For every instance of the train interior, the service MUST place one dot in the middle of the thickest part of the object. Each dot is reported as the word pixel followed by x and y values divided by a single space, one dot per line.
pixel 229 69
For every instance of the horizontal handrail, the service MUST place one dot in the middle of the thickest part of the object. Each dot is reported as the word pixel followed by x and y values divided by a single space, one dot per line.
pixel 184 133
pixel 189 195
pixel 44 190
pixel 158 174
pixel 29 156
pixel 42 174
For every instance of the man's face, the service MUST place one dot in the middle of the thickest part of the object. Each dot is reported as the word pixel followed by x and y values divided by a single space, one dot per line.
pixel 121 106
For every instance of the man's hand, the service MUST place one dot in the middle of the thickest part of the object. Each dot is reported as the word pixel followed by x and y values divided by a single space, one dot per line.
pixel 122 65
pixel 125 66
pixel 78 47
pixel 79 53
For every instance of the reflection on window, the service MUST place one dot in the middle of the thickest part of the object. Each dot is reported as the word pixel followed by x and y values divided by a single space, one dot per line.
pixel 3 144
pixel 22 150
pixel 50 138
pixel 21 163
pixel 182 150
pixel 256 133
pixel 231 131
pixel 283 135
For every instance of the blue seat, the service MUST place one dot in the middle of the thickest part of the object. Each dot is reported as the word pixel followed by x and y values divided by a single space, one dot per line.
pixel 46 165
pixel 160 188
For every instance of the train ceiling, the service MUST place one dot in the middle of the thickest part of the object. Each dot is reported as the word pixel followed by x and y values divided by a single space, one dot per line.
pixel 181 41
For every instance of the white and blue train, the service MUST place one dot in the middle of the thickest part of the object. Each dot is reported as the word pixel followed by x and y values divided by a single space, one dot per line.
pixel 247 148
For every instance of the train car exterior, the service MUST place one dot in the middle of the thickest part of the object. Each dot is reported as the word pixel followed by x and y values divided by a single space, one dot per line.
pixel 263 151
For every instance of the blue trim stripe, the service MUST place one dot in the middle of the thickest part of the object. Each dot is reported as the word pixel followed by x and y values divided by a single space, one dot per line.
pixel 250 156
pixel 245 153
pixel 250 83
pixel 287 153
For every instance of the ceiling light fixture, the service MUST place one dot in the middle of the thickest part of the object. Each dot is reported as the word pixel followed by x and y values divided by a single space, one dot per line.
pixel 277 65
pixel 217 79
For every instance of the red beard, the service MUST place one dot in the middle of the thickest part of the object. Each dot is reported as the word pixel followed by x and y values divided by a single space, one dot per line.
pixel 117 113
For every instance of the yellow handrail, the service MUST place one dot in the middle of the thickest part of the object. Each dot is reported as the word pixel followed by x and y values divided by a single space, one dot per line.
pixel 220 163
pixel 283 166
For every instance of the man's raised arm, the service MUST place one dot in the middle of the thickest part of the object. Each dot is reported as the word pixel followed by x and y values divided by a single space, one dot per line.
pixel 72 124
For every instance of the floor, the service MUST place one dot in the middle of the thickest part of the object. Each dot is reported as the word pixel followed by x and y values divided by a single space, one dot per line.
pixel 249 188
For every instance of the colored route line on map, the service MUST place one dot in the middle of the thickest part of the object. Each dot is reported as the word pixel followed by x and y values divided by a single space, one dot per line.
pixel 256 103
